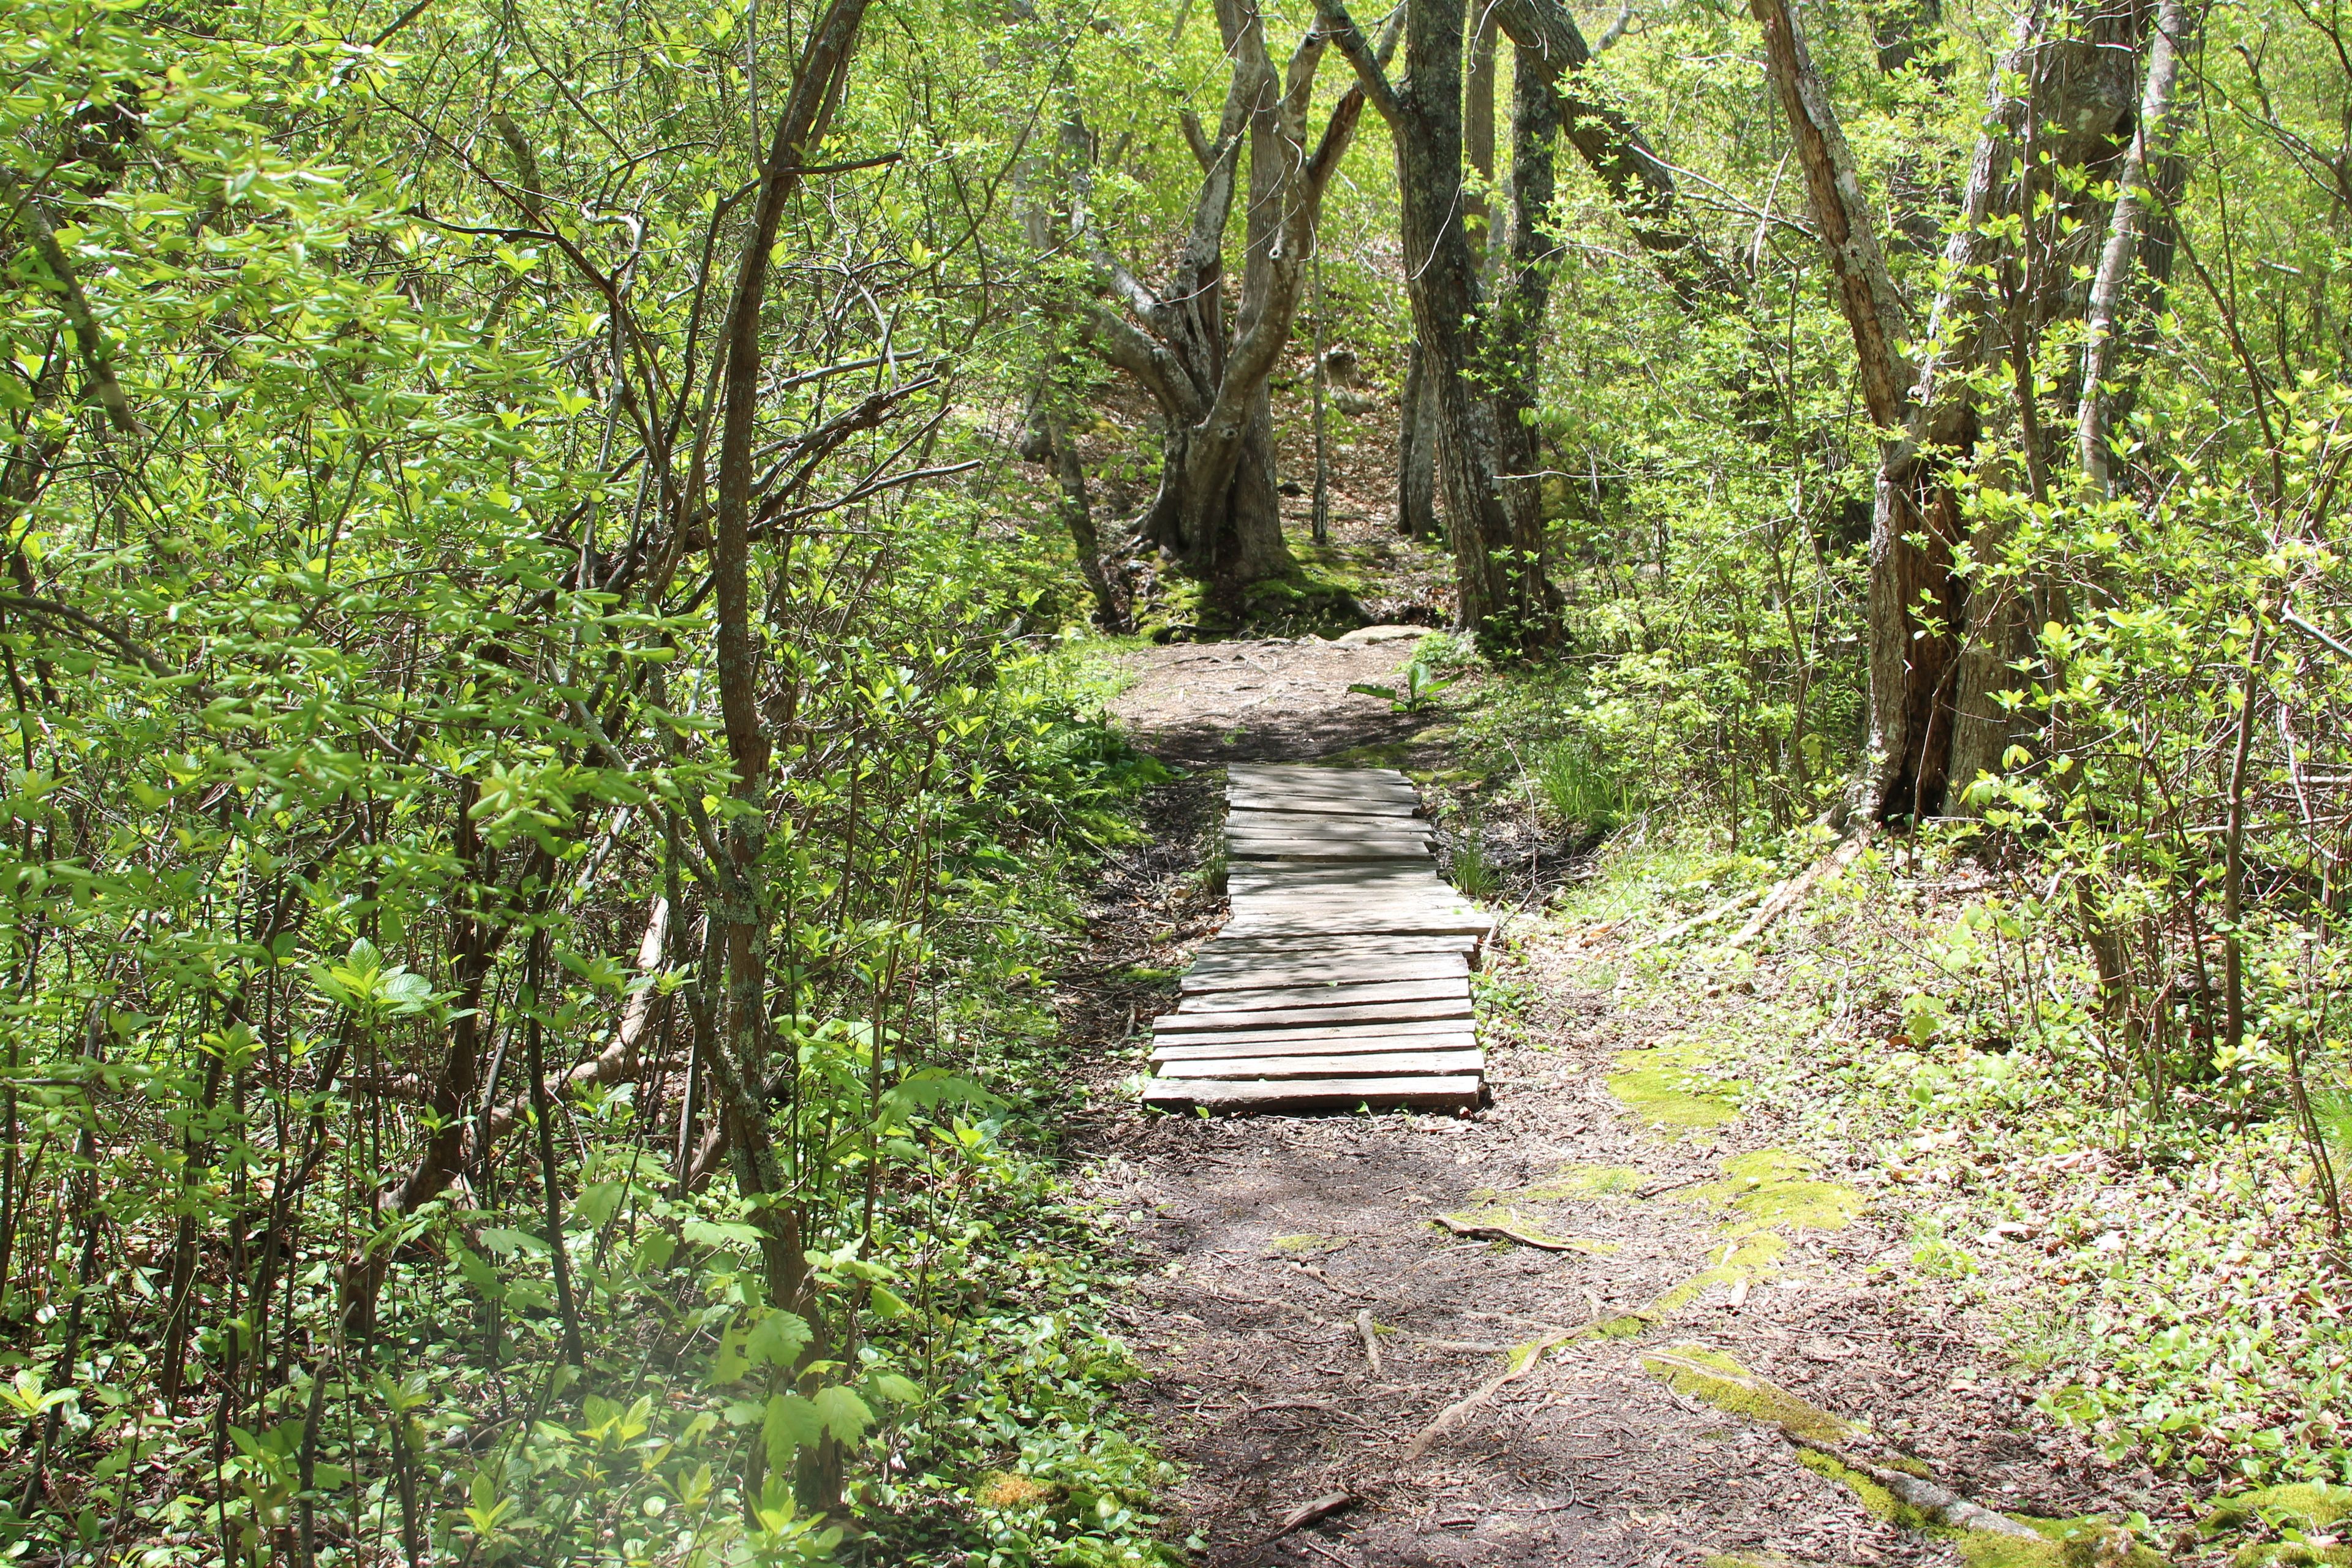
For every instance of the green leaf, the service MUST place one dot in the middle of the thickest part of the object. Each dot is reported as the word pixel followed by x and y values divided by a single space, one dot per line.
pixel 896 1389
pixel 844 1413
pixel 777 1340
pixel 790 1421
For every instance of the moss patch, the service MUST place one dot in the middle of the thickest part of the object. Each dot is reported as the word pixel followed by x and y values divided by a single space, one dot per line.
pixel 1709 1374
pixel 1747 1257
pixel 2291 1554
pixel 2309 1506
pixel 1773 1189
pixel 1006 1490
pixel 1669 1087
pixel 1307 1246
pixel 1875 1500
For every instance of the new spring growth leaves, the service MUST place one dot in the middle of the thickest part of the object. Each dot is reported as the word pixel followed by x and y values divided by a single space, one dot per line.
pixel 366 985
pixel 1419 689
pixel 797 1421
pixel 28 1399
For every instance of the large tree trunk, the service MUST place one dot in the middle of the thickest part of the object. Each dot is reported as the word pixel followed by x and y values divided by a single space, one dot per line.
pixel 1217 510
pixel 1941 654
pixel 1522 295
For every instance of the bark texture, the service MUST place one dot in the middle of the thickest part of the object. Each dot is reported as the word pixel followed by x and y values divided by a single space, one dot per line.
pixel 1217 510
pixel 1945 641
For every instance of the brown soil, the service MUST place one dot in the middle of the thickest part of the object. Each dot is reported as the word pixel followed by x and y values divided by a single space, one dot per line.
pixel 1260 1241
pixel 1261 700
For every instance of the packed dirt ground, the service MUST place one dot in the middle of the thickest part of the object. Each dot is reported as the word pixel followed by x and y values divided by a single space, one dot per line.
pixel 1306 1320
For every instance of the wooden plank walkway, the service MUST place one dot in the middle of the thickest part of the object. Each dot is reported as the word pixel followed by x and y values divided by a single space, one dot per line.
pixel 1342 978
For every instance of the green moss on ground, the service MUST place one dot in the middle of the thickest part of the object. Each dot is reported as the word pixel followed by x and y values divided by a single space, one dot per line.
pixel 2310 1506
pixel 1875 1500
pixel 1774 1189
pixel 1709 1374
pixel 1308 1246
pixel 1667 1088
pixel 2291 1554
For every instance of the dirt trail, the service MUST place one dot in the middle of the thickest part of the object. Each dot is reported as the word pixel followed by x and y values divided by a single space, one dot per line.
pixel 1264 1244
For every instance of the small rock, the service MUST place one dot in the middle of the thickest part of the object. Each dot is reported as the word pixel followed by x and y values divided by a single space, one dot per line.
pixel 1363 636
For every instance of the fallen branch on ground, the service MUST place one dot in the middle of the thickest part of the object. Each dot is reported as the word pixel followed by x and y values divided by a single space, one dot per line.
pixel 1450 1416
pixel 1790 893
pixel 1371 1337
pixel 1728 906
pixel 1502 1233
pixel 1306 1514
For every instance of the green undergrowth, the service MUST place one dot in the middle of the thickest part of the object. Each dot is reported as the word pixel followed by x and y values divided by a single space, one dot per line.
pixel 1698 1371
pixel 2159 1282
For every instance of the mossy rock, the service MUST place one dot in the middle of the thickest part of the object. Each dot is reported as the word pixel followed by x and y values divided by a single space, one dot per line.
pixel 1307 1246
pixel 1664 1087
pixel 2305 1506
pixel 1709 1374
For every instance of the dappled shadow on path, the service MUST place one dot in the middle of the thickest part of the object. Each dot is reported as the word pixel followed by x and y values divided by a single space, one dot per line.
pixel 1266 1250
pixel 1264 700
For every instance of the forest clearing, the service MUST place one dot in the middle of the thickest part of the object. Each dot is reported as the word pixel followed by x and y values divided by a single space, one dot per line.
pixel 896 782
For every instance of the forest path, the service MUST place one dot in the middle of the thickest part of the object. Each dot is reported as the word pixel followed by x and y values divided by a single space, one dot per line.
pixel 1269 1249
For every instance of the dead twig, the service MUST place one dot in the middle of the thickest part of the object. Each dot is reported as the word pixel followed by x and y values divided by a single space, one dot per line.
pixel 1792 893
pixel 1312 1513
pixel 1502 1233
pixel 1450 1416
pixel 1370 1336
pixel 1729 907
pixel 1323 1404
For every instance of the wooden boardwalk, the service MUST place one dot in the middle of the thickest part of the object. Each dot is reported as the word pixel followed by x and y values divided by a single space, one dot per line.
pixel 1343 977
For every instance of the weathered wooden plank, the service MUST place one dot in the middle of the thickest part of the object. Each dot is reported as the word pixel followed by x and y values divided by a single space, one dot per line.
pixel 1288 770
pixel 1398 812
pixel 1332 993
pixel 1463 1092
pixel 1470 924
pixel 1172 1057
pixel 1391 946
pixel 1234 988
pixel 1321 852
pixel 1342 977
pixel 1243 953
pixel 1187 1022
pixel 1407 1064
pixel 1240 824
pixel 1241 1037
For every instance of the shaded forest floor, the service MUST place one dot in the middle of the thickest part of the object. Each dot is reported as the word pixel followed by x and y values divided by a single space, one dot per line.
pixel 1265 1248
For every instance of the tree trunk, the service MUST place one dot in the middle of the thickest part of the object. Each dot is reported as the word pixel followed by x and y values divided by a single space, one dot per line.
pixel 1522 294
pixel 1217 510
pixel 2150 138
pixel 1417 450
pixel 1479 133
pixel 1938 656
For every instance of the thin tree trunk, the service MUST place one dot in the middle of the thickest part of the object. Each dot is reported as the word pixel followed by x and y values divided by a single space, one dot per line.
pixel 2150 136
pixel 1416 450
pixel 543 1111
